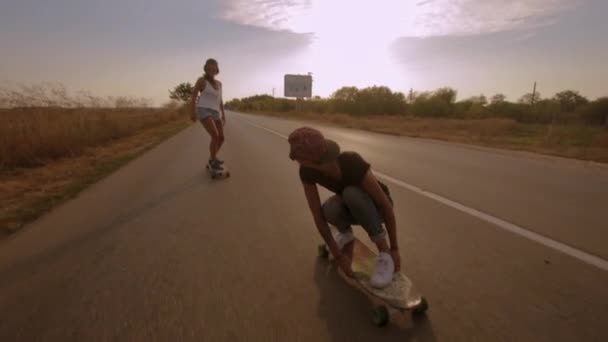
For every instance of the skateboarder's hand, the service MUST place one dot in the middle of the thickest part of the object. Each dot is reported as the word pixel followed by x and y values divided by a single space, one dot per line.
pixel 223 120
pixel 396 259
pixel 344 263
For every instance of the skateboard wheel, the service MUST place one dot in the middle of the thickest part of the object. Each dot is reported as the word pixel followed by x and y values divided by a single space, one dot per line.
pixel 380 316
pixel 322 251
pixel 421 308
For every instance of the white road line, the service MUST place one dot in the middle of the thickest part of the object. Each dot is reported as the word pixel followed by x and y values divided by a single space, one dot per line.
pixel 268 130
pixel 508 226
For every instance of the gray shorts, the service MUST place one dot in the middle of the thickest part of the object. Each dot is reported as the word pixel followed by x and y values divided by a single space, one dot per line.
pixel 204 113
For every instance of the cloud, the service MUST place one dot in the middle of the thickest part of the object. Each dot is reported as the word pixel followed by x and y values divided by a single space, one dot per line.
pixel 474 17
pixel 425 2
pixel 396 18
pixel 271 14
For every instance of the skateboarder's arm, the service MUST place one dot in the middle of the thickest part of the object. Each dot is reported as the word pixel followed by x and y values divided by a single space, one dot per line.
pixel 198 87
pixel 371 186
pixel 314 203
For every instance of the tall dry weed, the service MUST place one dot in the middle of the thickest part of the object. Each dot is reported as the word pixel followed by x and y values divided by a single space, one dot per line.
pixel 43 122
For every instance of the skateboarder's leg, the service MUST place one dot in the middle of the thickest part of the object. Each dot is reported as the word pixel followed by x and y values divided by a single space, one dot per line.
pixel 336 213
pixel 209 125
pixel 220 132
pixel 365 213
pixel 363 209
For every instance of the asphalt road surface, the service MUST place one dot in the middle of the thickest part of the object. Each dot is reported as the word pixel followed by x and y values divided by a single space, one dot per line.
pixel 506 247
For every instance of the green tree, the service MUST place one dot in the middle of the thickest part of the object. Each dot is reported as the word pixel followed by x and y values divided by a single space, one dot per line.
pixel 181 92
pixel 498 98
pixel 478 100
pixel 596 112
pixel 439 103
pixel 343 100
pixel 569 100
pixel 379 100
pixel 445 94
pixel 530 98
pixel 345 94
pixel 431 108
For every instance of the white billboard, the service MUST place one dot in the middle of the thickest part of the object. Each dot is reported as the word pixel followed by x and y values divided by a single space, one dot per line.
pixel 298 86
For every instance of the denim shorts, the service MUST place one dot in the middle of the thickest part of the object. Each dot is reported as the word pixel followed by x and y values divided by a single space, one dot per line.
pixel 204 113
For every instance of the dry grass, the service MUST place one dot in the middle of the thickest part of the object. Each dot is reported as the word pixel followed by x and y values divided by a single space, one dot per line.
pixel 53 144
pixel 27 193
pixel 572 141
pixel 55 94
pixel 34 136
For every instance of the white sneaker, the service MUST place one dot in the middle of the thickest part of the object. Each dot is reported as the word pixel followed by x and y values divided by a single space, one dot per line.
pixel 383 273
pixel 342 239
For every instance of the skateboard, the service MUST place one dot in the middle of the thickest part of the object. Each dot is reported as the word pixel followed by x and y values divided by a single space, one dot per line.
pixel 400 296
pixel 218 174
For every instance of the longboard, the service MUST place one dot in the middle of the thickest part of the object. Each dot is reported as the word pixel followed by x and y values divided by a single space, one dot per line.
pixel 400 295
pixel 218 174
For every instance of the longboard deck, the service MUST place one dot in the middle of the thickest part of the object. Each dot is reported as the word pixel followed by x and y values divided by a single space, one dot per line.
pixel 400 294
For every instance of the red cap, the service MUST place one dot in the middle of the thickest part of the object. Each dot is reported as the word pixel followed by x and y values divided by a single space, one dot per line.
pixel 307 143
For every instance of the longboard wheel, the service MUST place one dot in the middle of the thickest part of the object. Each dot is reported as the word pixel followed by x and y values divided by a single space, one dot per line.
pixel 421 308
pixel 380 316
pixel 322 251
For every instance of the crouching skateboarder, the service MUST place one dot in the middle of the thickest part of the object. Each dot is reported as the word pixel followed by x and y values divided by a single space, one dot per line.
pixel 359 199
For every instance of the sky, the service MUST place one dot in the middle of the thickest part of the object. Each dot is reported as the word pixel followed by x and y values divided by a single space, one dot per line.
pixel 142 48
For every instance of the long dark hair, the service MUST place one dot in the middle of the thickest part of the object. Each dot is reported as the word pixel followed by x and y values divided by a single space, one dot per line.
pixel 208 77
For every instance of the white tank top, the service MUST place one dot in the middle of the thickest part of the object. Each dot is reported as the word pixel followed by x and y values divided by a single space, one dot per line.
pixel 210 97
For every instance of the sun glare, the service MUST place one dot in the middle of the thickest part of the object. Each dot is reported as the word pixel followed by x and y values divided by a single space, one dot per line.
pixel 352 41
pixel 352 38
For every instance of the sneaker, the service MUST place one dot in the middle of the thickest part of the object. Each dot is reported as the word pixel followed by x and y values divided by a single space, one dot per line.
pixel 214 165
pixel 383 273
pixel 342 239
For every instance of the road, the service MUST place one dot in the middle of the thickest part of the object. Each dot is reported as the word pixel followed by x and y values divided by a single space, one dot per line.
pixel 506 247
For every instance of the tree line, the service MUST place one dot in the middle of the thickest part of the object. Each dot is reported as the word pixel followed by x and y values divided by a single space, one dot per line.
pixel 565 107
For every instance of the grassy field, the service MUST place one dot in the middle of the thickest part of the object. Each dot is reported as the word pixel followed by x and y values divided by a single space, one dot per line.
pixel 34 136
pixel 48 155
pixel 573 141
